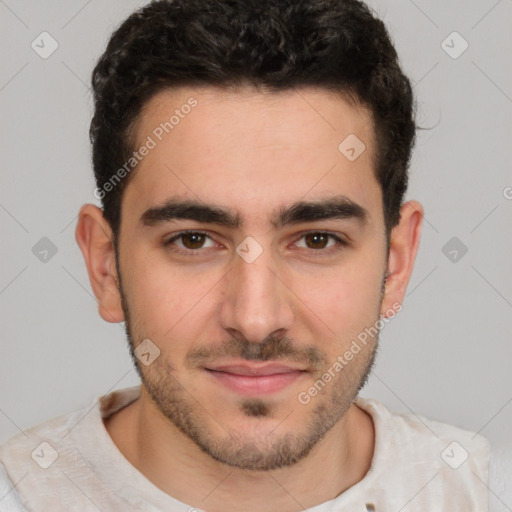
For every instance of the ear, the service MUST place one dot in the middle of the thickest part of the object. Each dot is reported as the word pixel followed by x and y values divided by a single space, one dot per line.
pixel 404 243
pixel 94 236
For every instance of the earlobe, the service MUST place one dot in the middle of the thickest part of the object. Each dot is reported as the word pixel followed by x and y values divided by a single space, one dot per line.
pixel 404 243
pixel 94 236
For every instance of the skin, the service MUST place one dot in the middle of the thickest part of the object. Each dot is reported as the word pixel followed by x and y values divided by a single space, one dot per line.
pixel 254 153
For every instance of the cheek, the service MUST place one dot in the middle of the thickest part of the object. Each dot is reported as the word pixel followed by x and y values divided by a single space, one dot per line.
pixel 165 300
pixel 346 298
pixel 359 292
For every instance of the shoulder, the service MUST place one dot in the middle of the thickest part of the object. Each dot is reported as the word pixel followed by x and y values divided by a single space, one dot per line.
pixel 53 439
pixel 450 464
pixel 34 450
pixel 29 459
pixel 500 474
pixel 417 432
pixel 55 462
pixel 9 499
pixel 46 465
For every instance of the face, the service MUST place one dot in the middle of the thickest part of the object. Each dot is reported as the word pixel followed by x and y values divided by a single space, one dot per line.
pixel 252 253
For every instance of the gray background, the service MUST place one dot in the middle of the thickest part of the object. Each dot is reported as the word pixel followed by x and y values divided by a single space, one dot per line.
pixel 447 356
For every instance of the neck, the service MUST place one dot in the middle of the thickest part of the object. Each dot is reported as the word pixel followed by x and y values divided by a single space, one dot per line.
pixel 172 462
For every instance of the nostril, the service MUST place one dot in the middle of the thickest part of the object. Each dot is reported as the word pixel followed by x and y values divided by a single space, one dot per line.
pixel 370 507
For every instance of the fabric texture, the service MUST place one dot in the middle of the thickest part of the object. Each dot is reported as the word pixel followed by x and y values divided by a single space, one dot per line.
pixel 71 464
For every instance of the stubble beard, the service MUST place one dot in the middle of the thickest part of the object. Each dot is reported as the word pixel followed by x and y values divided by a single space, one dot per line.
pixel 238 450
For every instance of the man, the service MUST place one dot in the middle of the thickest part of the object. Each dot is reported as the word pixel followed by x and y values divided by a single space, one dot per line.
pixel 251 158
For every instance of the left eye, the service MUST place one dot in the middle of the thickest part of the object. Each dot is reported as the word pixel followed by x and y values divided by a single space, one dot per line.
pixel 319 240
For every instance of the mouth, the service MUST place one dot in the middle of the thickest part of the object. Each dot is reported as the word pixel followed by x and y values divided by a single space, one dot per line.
pixel 255 379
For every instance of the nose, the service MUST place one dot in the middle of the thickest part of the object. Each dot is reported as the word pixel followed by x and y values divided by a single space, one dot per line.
pixel 256 301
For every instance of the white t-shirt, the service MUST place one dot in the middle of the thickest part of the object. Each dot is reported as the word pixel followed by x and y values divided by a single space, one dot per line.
pixel 71 464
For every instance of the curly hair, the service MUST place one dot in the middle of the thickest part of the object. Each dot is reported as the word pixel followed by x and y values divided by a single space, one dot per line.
pixel 276 45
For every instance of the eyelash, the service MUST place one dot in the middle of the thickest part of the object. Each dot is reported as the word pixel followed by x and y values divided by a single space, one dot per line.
pixel 192 252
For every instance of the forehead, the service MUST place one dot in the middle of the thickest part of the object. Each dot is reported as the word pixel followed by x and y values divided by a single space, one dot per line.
pixel 248 149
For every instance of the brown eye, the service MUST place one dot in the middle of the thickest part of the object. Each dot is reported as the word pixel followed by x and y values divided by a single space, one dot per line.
pixel 192 240
pixel 317 240
pixel 321 243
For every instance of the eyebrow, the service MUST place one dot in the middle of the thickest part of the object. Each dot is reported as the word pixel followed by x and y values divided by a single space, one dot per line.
pixel 338 207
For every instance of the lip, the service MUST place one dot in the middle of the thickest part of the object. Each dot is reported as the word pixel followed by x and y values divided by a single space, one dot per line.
pixel 252 379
